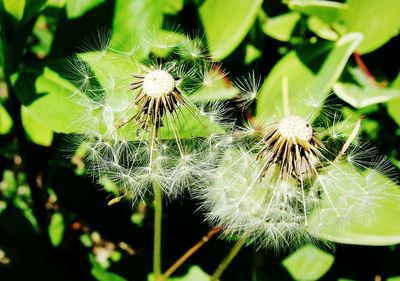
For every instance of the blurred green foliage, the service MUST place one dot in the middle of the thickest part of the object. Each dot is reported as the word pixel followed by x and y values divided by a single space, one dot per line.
pixel 55 223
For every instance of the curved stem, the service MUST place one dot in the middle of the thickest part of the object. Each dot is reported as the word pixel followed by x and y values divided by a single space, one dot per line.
pixel 157 231
pixel 227 260
pixel 189 253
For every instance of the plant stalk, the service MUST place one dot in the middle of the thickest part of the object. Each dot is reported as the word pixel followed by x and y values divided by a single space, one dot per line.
pixel 157 230
pixel 157 206
pixel 227 260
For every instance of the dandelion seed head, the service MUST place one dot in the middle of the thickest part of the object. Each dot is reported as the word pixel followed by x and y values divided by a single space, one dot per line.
pixel 295 127
pixel 158 83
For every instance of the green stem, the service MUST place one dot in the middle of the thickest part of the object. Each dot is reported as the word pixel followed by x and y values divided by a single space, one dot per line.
pixel 227 260
pixel 157 230
pixel 157 207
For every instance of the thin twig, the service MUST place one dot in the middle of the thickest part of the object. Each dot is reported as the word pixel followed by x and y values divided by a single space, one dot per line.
pixel 364 68
pixel 190 252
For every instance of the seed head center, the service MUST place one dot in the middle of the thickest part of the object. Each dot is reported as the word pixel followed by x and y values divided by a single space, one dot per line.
pixel 158 83
pixel 295 127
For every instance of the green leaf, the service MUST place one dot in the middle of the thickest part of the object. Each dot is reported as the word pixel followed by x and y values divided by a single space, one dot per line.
pixel 328 11
pixel 375 226
pixel 195 273
pixel 15 8
pixel 101 274
pixel 77 8
pixel 226 24
pixel 132 19
pixel 309 80
pixel 378 21
pixel 308 263
pixel 322 29
pixel 393 105
pixel 37 131
pixel 252 53
pixel 172 7
pixel 6 121
pixel 56 229
pixel 217 90
pixel 52 102
pixel 190 126
pixel 360 97
pixel 282 26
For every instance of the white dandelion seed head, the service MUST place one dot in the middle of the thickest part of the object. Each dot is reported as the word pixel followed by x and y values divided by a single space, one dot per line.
pixel 158 83
pixel 295 127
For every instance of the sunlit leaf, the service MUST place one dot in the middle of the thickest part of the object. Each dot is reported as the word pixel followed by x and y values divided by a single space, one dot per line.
pixel 309 82
pixel 378 21
pixel 15 8
pixel 52 102
pixel 37 131
pixel 282 26
pixel 77 8
pixel 6 122
pixel 377 225
pixel 226 23
pixel 308 263
pixel 56 229
pixel 172 7
pixel 361 97
pixel 322 29
pixel 328 11
pixel 132 19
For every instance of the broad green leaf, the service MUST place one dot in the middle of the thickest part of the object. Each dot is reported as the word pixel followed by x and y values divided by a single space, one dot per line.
pixel 6 122
pixel 52 102
pixel 226 24
pixel 132 19
pixel 56 229
pixel 378 21
pixel 308 263
pixel 282 26
pixel 397 278
pixel 393 105
pixel 15 8
pixel 172 7
pixel 307 88
pixel 37 131
pixel 102 274
pixel 328 11
pixel 77 8
pixel 322 29
pixel 360 97
pixel 376 223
